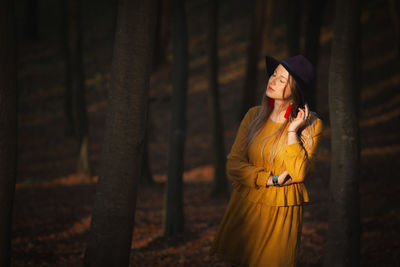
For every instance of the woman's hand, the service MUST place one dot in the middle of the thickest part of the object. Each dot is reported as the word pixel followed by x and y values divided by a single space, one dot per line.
pixel 288 181
pixel 300 119
pixel 284 178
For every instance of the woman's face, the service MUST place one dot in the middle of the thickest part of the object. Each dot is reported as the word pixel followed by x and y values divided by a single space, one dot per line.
pixel 277 83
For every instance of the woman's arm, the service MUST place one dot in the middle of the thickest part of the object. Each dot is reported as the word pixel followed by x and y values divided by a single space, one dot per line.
pixel 237 165
pixel 300 161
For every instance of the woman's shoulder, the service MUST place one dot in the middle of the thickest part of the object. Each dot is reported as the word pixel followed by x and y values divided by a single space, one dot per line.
pixel 251 114
pixel 253 111
pixel 255 108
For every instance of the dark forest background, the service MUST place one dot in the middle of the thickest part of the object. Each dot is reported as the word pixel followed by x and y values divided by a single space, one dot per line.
pixel 54 198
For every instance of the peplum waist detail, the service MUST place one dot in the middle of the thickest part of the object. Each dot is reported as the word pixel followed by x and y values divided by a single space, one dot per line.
pixel 288 195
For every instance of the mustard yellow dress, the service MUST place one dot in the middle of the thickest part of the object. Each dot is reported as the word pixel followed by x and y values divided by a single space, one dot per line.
pixel 262 224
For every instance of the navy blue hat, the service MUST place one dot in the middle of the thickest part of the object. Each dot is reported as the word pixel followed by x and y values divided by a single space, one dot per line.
pixel 298 66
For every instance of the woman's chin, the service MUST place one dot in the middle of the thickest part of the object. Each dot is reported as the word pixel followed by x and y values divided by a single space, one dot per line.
pixel 268 95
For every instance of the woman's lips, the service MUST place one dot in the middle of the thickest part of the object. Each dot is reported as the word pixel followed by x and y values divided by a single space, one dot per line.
pixel 270 88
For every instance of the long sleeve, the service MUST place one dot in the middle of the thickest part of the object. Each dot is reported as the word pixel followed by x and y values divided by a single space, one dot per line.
pixel 237 165
pixel 299 161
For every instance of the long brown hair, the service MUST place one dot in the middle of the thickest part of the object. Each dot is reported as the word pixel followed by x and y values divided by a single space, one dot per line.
pixel 261 118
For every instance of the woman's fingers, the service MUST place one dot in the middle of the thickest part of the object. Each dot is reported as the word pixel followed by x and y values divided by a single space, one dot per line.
pixel 282 177
pixel 303 113
pixel 307 109
pixel 301 117
pixel 288 181
pixel 300 114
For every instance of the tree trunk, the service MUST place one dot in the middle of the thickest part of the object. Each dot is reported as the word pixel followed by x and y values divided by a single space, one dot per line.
pixel 162 37
pixel 217 129
pixel 343 248
pixel 82 165
pixel 268 22
pixel 253 55
pixel 293 14
pixel 173 222
pixel 8 126
pixel 315 12
pixel 146 176
pixel 112 223
pixel 31 22
pixel 75 100
pixel 394 7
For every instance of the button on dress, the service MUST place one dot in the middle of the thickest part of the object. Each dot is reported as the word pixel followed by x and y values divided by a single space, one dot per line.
pixel 262 224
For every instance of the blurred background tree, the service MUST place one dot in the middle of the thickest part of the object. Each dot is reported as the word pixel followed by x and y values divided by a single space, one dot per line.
pixel 344 232
pixel 110 236
pixel 173 221
pixel 8 127
pixel 75 93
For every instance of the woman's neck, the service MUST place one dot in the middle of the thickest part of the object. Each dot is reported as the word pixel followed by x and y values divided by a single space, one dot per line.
pixel 279 110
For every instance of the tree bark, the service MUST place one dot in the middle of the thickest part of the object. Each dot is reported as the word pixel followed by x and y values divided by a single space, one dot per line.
pixel 394 7
pixel 75 99
pixel 162 36
pixel 293 26
pixel 343 248
pixel 112 223
pixel 219 182
pixel 173 222
pixel 8 126
pixel 146 176
pixel 268 22
pixel 31 21
pixel 315 13
pixel 253 55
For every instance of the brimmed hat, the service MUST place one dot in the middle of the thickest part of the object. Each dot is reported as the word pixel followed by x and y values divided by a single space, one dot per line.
pixel 298 66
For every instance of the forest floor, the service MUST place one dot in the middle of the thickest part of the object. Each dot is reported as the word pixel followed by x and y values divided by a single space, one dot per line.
pixel 52 207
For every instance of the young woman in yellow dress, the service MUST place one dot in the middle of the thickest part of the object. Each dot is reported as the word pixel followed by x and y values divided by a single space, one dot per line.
pixel 272 155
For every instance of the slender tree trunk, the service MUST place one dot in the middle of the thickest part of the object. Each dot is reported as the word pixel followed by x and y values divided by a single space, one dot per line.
pixel 162 36
pixel 113 217
pixel 217 128
pixel 159 58
pixel 268 21
pixel 253 55
pixel 75 100
pixel 31 22
pixel 146 176
pixel 315 13
pixel 8 126
pixel 173 222
pixel 82 164
pixel 394 7
pixel 293 14
pixel 343 247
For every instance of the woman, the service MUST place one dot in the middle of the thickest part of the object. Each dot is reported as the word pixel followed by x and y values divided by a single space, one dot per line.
pixel 273 153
